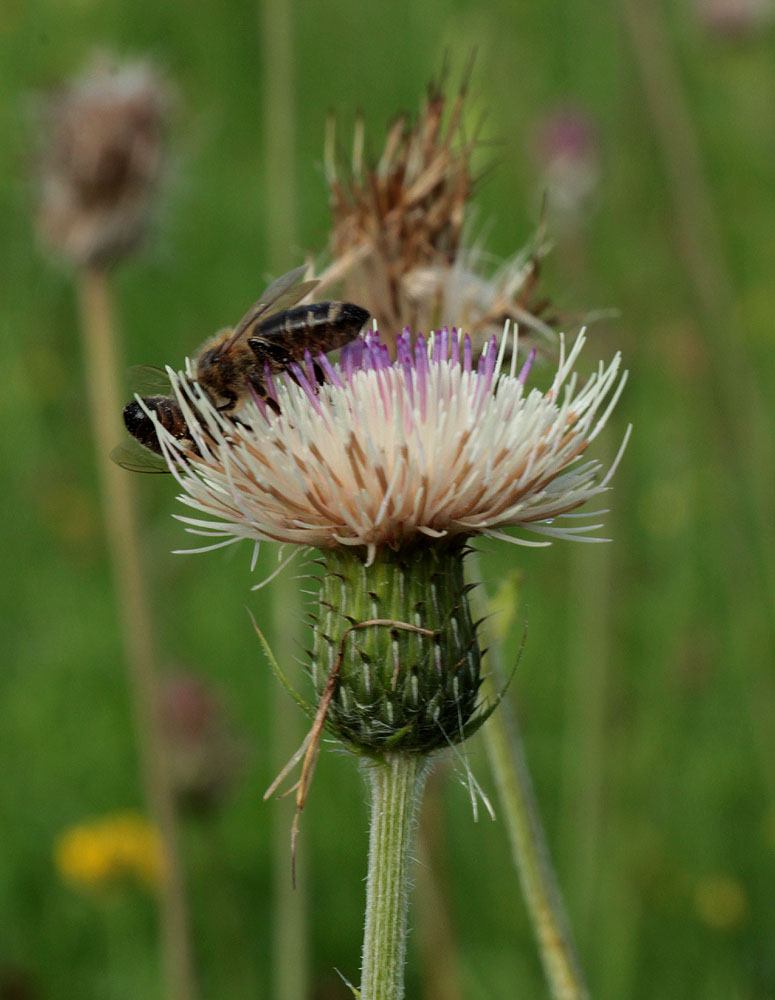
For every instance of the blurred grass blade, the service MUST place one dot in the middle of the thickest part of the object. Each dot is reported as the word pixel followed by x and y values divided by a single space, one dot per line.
pixel 528 840
pixel 290 943
pixel 101 354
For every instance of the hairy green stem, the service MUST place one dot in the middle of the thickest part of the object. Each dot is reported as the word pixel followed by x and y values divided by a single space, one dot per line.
pixel 397 783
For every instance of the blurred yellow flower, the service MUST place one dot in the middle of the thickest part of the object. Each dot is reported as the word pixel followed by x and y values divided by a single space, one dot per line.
pixel 721 902
pixel 117 849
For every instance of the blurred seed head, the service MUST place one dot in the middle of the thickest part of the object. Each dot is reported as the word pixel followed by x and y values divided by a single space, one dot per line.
pixel 735 20
pixel 566 151
pixel 204 757
pixel 101 161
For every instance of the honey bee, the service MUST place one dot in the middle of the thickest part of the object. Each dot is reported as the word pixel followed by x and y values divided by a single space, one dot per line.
pixel 232 365
pixel 142 428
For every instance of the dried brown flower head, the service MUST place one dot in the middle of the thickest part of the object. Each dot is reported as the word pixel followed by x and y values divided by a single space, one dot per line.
pixel 399 227
pixel 403 213
pixel 102 161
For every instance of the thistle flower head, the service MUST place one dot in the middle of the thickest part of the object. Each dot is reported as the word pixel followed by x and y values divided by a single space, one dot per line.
pixel 388 467
pixel 434 445
pixel 102 161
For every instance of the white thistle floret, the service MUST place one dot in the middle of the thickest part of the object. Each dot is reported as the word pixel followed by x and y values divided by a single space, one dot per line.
pixel 384 452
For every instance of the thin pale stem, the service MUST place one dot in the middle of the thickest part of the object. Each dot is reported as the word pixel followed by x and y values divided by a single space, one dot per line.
pixel 397 783
pixel 531 854
pixel 101 351
pixel 279 126
pixel 584 771
pixel 529 848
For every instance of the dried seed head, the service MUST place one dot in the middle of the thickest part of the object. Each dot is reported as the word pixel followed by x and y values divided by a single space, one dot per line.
pixel 400 227
pixel 403 212
pixel 102 161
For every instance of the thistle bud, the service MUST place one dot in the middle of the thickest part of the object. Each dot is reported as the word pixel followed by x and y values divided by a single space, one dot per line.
pixel 397 634
pixel 735 20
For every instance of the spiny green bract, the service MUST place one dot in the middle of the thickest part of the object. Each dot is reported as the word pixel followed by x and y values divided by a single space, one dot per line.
pixel 396 687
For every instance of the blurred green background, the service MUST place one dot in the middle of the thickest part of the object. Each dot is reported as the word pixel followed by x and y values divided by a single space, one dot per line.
pixel 646 690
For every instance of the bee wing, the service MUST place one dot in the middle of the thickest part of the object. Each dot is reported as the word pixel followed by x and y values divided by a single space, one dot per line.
pixel 283 293
pixel 131 455
pixel 147 380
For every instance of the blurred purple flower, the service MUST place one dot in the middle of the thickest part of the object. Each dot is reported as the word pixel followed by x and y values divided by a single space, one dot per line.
pixel 566 149
pixel 203 754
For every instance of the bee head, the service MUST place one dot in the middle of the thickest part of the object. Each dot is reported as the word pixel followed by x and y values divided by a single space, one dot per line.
pixel 210 357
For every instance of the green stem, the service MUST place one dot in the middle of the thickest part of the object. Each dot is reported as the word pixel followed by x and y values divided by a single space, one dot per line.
pixel 531 854
pixel 396 784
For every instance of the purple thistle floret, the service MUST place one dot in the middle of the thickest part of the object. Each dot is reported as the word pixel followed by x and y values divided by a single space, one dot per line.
pixel 523 375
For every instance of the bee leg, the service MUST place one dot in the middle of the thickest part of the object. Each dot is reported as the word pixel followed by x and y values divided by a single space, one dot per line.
pixel 231 401
pixel 260 390
pixel 240 423
pixel 269 351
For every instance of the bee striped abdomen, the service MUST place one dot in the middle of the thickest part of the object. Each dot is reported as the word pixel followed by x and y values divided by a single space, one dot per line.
pixel 142 428
pixel 323 326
